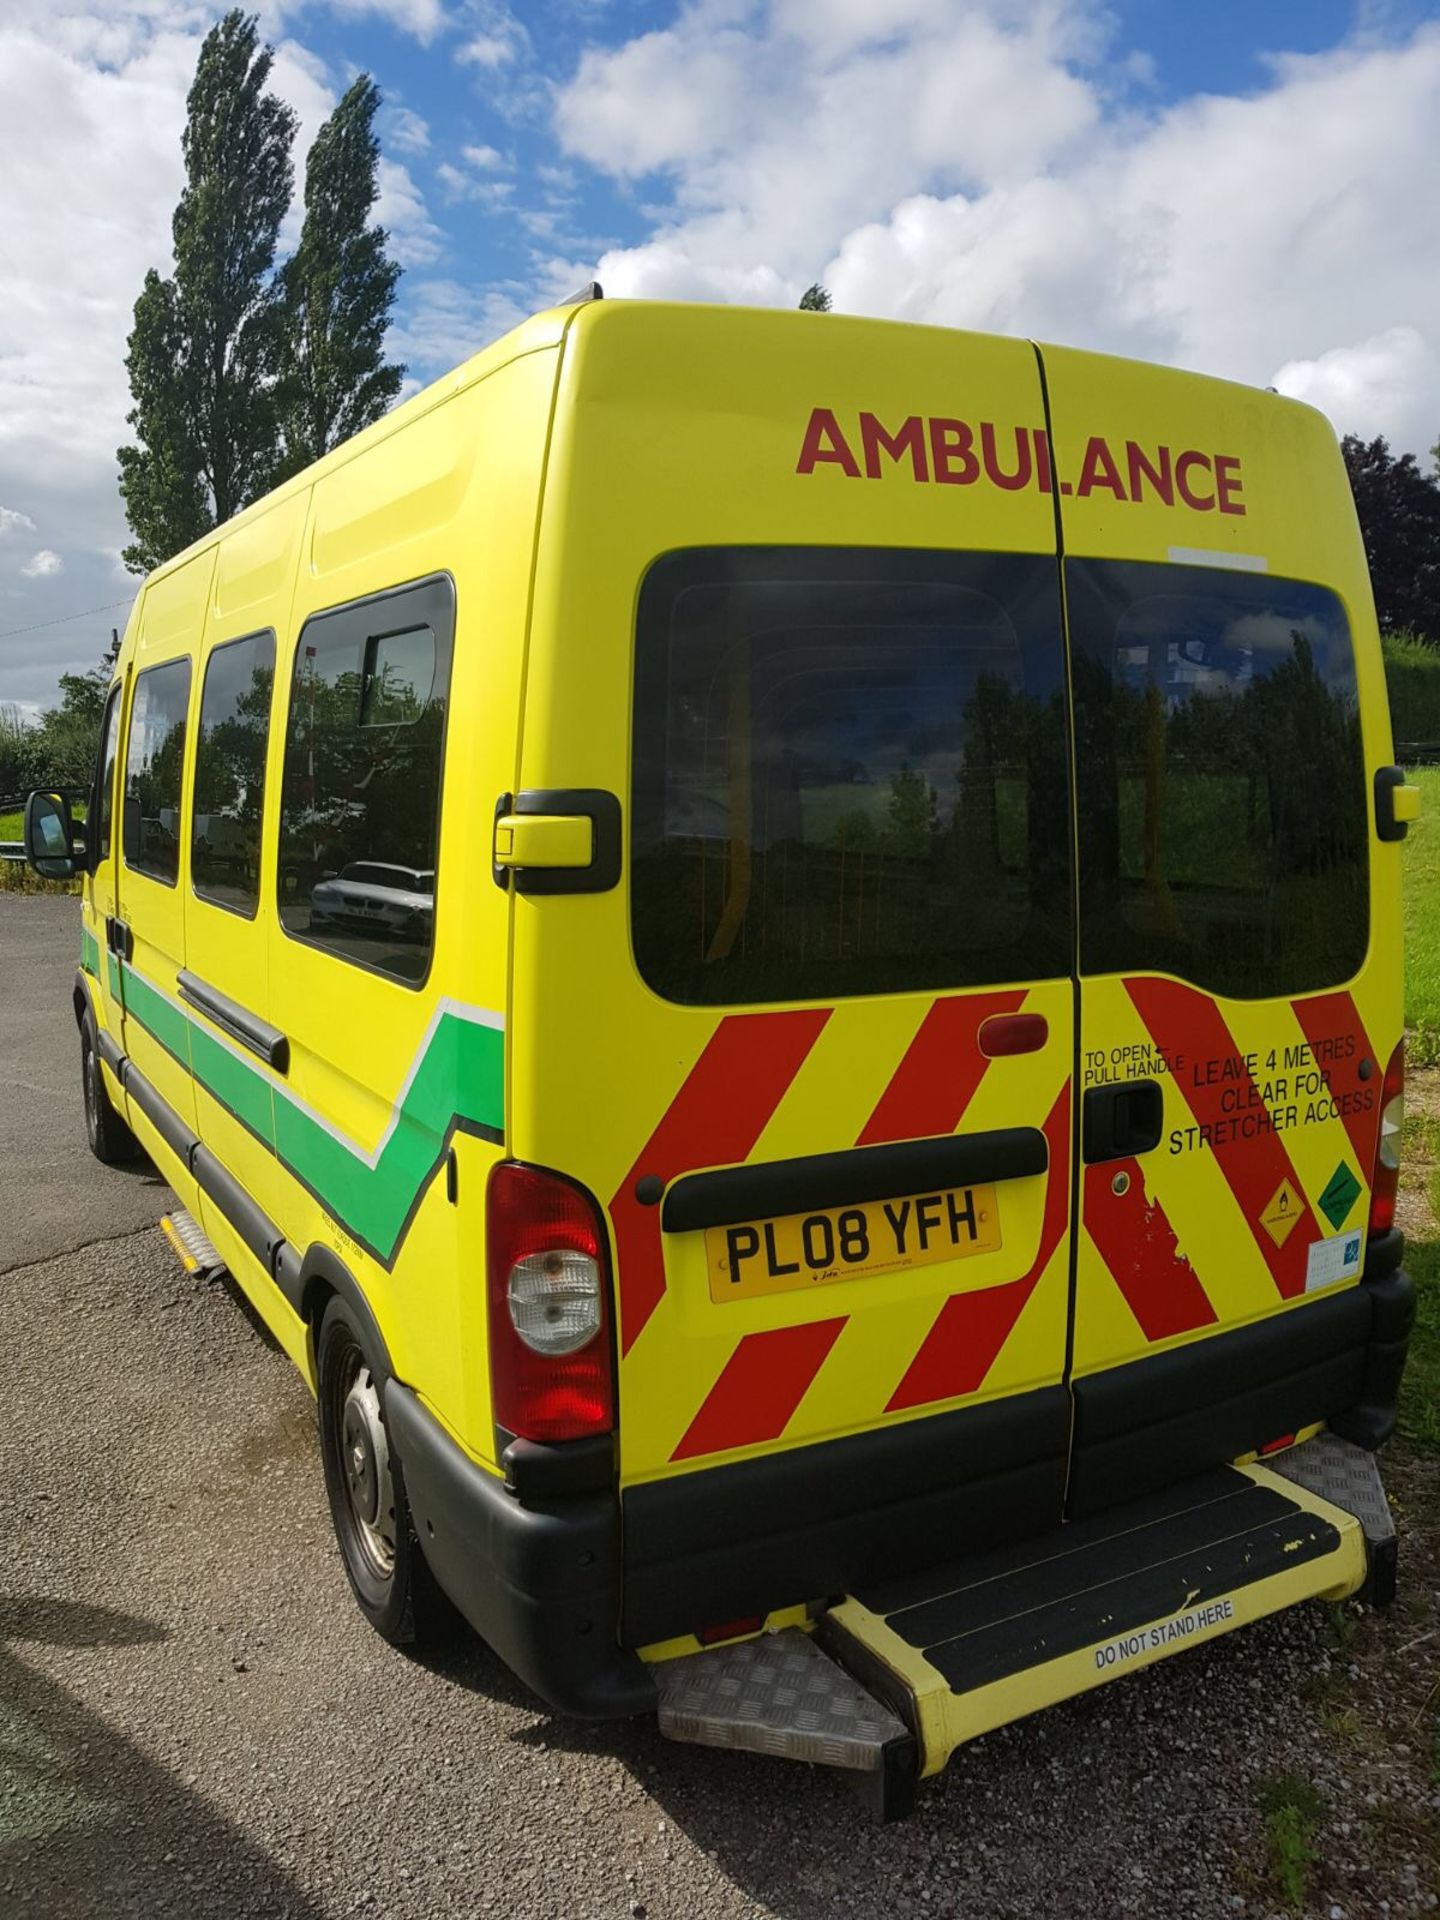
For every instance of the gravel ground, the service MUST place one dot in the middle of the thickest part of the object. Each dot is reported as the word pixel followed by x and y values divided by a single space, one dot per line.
pixel 194 1719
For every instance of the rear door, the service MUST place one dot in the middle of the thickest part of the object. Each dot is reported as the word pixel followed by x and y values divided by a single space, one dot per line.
pixel 804 625
pixel 1239 984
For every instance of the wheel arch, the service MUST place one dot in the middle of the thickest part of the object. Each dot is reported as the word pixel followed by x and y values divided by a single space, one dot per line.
pixel 323 1277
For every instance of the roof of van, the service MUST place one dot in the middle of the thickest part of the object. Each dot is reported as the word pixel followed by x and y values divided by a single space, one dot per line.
pixel 547 329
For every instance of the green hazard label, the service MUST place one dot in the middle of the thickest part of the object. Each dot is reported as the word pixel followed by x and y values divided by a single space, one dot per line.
pixel 1339 1196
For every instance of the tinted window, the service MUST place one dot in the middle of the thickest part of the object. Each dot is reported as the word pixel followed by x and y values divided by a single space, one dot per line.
pixel 360 800
pixel 849 773
pixel 1223 817
pixel 230 772
pixel 154 761
pixel 105 775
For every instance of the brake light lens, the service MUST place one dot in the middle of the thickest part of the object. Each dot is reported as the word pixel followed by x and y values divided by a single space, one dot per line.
pixel 551 1374
pixel 1386 1183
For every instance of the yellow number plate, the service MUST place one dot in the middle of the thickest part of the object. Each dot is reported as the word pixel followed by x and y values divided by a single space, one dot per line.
pixel 846 1243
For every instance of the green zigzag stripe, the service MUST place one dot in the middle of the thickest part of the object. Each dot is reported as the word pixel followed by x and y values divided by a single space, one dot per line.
pixel 458 1081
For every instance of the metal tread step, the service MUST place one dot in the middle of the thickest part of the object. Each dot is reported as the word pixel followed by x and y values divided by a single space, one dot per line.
pixel 897 1675
pixel 970 1645
pixel 191 1245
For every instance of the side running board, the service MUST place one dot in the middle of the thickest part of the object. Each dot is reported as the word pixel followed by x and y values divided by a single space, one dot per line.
pixel 191 1245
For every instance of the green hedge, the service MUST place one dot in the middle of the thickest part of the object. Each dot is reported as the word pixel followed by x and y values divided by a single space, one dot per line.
pixel 1413 672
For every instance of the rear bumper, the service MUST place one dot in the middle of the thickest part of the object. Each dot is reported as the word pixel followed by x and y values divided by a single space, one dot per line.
pixel 541 1577
pixel 539 1583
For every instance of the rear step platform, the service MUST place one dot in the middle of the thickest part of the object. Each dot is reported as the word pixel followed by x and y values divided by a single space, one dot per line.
pixel 986 1639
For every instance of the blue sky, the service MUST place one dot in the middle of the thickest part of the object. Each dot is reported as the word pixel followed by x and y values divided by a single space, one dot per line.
pixel 1245 189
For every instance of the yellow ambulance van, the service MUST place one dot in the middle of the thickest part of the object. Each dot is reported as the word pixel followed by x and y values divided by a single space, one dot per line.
pixel 771 947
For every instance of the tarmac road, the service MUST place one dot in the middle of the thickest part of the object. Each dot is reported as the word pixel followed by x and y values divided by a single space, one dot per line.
pixel 195 1721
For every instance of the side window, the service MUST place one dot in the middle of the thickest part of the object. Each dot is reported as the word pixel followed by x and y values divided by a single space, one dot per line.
pixel 105 773
pixel 849 773
pixel 1223 821
pixel 360 795
pixel 154 761
pixel 230 773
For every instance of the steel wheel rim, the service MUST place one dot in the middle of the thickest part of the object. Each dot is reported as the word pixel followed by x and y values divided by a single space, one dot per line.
pixel 365 1472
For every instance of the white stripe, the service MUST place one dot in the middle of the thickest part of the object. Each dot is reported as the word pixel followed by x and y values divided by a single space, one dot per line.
pixel 1219 557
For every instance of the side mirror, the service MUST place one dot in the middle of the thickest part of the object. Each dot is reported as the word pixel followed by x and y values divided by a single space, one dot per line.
pixel 54 844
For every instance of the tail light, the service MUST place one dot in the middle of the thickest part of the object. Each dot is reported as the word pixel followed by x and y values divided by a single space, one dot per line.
pixel 551 1374
pixel 1387 1158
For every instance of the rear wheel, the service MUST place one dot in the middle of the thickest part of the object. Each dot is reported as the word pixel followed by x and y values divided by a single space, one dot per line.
pixel 110 1139
pixel 383 1560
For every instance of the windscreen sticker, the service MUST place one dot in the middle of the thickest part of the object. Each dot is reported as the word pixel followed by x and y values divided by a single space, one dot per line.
pixel 1282 1215
pixel 934 449
pixel 1331 1261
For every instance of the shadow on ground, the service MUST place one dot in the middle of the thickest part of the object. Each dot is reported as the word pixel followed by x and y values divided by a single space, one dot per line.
pixel 89 1826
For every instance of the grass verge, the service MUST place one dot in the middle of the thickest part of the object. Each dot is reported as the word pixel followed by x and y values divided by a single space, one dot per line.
pixel 1419 1419
pixel 1422 924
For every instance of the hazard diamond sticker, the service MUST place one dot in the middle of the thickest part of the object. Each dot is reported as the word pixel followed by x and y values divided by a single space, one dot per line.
pixel 1282 1215
pixel 1339 1196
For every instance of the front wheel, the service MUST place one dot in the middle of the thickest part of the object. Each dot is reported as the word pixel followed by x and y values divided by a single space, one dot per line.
pixel 383 1560
pixel 111 1141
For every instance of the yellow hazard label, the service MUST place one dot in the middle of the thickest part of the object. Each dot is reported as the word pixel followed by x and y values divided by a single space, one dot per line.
pixel 1283 1213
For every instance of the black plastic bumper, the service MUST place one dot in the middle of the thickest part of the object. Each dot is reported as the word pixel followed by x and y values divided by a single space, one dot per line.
pixel 539 1583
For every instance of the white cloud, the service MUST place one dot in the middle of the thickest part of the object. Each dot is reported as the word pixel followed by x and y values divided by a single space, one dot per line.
pixel 487 159
pixel 443 323
pixel 415 240
pixel 43 564
pixel 968 165
pixel 425 19
pixel 405 130
pixel 12 521
pixel 1377 386
pixel 500 42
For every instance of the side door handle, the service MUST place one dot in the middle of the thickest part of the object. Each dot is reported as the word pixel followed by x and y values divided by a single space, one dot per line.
pixel 118 937
pixel 1122 1120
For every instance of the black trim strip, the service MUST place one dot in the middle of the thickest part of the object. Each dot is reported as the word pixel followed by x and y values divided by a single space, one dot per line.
pixel 256 1229
pixel 853 1177
pixel 110 1053
pixel 242 1025
pixel 161 1115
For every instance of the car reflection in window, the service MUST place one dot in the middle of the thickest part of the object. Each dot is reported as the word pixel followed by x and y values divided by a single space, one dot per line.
pixel 371 896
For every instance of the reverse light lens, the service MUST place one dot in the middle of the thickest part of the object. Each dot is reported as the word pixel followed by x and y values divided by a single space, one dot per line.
pixel 551 1371
pixel 555 1300
pixel 1386 1183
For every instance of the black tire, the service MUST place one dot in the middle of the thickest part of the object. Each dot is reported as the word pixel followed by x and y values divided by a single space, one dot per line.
pixel 111 1141
pixel 388 1574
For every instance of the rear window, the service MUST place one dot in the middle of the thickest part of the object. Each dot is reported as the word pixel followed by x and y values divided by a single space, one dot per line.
pixel 1223 812
pixel 849 773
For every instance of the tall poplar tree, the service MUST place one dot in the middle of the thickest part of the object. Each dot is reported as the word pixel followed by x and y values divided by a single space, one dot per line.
pixel 337 291
pixel 204 353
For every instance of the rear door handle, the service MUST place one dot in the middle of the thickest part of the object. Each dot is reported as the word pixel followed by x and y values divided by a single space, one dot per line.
pixel 1123 1120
